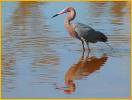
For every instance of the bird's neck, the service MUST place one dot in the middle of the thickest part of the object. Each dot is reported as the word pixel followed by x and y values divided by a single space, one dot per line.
pixel 71 15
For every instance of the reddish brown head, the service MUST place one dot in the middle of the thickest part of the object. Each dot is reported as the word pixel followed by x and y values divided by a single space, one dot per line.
pixel 70 16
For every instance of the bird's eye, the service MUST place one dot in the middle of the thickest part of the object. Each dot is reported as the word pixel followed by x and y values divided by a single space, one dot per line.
pixel 68 10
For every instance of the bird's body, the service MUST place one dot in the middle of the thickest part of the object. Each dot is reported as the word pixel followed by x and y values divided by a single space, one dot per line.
pixel 81 31
pixel 88 34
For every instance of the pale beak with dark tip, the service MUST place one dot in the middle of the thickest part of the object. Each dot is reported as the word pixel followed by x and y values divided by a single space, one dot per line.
pixel 60 13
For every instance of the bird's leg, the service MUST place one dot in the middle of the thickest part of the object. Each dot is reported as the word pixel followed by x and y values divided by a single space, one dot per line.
pixel 88 53
pixel 88 49
pixel 82 57
pixel 88 46
pixel 83 45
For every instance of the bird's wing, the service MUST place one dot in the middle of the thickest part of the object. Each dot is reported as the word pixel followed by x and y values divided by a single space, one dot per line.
pixel 88 33
pixel 83 30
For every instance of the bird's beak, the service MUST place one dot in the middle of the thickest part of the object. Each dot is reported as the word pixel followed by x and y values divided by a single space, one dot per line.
pixel 55 15
pixel 60 13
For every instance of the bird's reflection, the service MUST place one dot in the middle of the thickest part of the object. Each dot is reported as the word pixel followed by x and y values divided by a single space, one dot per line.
pixel 84 67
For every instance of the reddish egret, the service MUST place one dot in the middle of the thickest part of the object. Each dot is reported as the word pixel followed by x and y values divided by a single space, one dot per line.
pixel 81 31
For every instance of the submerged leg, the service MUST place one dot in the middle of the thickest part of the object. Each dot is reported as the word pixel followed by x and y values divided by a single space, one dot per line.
pixel 82 57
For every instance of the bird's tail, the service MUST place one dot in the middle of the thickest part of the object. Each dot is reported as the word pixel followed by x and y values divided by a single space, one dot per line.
pixel 101 37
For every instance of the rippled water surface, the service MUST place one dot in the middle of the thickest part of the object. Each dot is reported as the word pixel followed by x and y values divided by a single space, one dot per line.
pixel 41 60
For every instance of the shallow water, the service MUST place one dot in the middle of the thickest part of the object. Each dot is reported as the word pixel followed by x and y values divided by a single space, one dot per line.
pixel 41 60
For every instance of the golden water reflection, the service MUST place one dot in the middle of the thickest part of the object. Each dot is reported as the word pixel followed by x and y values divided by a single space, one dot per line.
pixel 118 14
pixel 24 37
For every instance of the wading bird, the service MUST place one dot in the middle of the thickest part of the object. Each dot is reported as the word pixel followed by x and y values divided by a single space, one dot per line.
pixel 81 31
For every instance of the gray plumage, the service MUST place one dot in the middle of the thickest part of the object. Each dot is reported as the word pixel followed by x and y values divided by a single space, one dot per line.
pixel 89 34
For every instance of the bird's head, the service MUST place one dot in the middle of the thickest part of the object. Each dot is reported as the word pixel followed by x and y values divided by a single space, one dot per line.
pixel 66 10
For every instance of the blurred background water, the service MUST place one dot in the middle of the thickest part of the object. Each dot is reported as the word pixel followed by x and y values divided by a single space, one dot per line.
pixel 41 60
